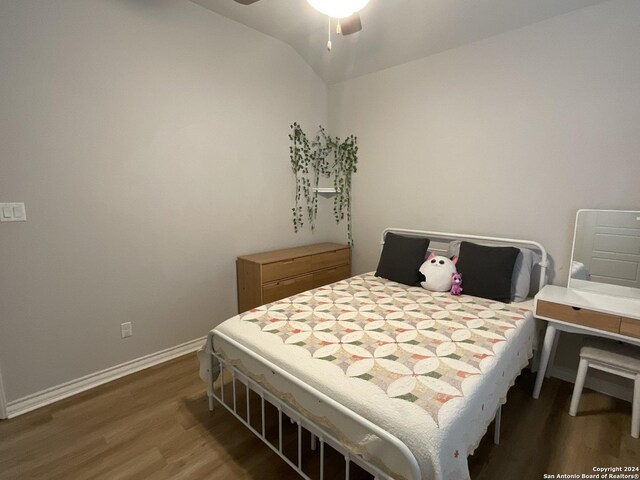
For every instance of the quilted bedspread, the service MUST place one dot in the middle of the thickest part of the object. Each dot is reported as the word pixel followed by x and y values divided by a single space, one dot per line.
pixel 429 367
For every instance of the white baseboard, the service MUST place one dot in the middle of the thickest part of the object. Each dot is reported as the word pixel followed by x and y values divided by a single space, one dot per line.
pixel 59 392
pixel 3 401
pixel 613 389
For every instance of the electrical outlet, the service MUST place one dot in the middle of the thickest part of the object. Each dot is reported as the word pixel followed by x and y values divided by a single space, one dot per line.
pixel 126 329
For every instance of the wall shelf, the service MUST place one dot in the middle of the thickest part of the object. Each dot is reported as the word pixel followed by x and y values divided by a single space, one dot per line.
pixel 325 190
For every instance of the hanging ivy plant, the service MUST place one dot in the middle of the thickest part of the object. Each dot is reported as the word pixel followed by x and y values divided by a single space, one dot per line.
pixel 346 161
pixel 312 160
pixel 299 154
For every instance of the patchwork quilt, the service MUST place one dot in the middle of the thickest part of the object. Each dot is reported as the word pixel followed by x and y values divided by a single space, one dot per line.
pixel 437 366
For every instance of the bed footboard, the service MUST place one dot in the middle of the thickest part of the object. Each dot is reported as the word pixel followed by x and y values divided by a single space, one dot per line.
pixel 217 367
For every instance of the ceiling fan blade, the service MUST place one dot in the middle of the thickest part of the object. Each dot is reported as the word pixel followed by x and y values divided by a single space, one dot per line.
pixel 246 2
pixel 350 24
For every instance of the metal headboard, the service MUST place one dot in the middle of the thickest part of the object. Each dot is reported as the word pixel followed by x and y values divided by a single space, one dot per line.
pixel 440 241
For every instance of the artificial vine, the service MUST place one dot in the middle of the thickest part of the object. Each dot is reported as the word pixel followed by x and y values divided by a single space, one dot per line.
pixel 310 161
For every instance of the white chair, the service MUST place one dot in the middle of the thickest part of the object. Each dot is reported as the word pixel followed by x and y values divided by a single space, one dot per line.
pixel 619 359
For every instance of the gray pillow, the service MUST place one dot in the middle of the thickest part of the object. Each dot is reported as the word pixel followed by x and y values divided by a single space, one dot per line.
pixel 521 278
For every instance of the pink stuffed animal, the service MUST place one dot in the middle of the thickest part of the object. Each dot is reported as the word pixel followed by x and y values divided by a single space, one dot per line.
pixel 456 283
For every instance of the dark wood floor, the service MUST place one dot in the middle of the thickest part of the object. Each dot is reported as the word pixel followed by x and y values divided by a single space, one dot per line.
pixel 155 425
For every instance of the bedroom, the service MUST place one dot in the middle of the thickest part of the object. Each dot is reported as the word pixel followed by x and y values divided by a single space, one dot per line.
pixel 148 142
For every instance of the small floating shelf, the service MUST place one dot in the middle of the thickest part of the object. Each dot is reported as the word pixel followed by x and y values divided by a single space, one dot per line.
pixel 327 190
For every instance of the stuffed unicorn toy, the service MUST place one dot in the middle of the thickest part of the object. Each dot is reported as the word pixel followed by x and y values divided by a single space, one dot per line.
pixel 456 283
pixel 438 272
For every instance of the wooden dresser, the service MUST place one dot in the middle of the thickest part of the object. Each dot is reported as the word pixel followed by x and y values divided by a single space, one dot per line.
pixel 270 276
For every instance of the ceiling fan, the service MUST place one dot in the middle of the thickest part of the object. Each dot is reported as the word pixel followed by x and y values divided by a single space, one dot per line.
pixel 345 11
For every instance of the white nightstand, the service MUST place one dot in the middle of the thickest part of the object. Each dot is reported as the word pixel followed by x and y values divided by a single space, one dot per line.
pixel 577 311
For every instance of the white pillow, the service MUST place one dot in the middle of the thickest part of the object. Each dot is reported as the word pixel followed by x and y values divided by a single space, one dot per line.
pixel 521 277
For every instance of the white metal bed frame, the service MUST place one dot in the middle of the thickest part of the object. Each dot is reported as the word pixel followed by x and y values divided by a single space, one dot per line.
pixel 318 432
pixel 443 237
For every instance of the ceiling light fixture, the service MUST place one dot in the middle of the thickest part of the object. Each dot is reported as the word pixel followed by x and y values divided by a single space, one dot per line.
pixel 338 8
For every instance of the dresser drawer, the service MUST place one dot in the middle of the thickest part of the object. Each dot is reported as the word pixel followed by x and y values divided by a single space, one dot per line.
pixel 630 327
pixel 320 261
pixel 269 276
pixel 286 268
pixel 285 288
pixel 330 275
pixel 579 316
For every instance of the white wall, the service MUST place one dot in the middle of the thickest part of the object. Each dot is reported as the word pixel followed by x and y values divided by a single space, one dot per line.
pixel 148 140
pixel 507 136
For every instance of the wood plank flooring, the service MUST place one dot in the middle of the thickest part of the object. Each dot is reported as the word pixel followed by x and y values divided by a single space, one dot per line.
pixel 155 425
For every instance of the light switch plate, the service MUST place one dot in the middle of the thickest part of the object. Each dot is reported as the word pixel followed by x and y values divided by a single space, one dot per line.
pixel 13 212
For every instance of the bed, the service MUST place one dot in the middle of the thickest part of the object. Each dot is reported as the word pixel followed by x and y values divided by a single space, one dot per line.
pixel 401 381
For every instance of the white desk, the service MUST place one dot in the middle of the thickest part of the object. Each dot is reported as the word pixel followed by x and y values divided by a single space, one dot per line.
pixel 585 312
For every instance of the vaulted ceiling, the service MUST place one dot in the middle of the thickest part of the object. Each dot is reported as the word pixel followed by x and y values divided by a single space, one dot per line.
pixel 394 31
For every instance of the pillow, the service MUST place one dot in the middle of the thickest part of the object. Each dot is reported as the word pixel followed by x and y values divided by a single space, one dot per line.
pixel 453 250
pixel 487 271
pixel 401 258
pixel 521 280
pixel 521 277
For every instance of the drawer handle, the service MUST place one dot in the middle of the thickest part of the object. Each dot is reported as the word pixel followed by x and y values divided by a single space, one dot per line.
pixel 577 308
pixel 289 281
